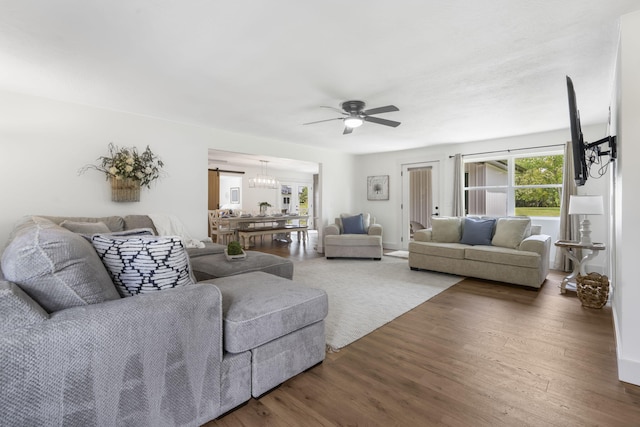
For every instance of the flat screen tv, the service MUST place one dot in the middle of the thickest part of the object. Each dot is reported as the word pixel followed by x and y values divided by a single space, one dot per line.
pixel 581 171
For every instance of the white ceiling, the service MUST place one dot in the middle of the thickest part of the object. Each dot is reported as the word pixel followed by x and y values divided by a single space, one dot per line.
pixel 458 70
pixel 229 161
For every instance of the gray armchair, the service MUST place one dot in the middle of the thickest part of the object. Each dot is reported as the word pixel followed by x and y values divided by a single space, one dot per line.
pixel 342 240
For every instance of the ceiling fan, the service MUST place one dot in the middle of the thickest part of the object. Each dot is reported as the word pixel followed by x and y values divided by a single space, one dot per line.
pixel 355 115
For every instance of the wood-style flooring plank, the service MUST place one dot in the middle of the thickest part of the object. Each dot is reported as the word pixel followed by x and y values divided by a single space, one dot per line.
pixel 478 354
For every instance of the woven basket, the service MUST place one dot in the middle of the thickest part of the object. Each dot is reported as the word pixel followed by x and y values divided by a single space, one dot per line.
pixel 593 290
pixel 125 190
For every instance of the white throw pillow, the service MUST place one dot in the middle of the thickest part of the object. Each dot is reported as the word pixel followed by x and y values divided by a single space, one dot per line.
pixel 510 232
pixel 446 230
pixel 144 264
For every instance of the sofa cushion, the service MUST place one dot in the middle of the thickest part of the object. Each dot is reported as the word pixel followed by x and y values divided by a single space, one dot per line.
pixel 56 267
pixel 139 221
pixel 144 264
pixel 445 250
pixel 353 240
pixel 259 307
pixel 446 230
pixel 353 225
pixel 86 228
pixel 115 223
pixel 477 231
pixel 505 256
pixel 511 231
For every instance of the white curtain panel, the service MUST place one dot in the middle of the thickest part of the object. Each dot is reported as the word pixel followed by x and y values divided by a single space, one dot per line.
pixel 569 224
pixel 458 186
pixel 421 196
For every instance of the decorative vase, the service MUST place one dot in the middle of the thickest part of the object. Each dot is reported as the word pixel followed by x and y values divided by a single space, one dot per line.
pixel 125 190
pixel 263 209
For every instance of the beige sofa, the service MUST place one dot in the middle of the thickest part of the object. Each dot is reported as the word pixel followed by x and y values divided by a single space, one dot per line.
pixel 341 242
pixel 514 251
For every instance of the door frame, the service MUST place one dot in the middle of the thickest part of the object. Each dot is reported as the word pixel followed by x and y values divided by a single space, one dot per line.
pixel 435 190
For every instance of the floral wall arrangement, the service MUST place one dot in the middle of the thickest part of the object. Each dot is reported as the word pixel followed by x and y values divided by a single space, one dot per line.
pixel 128 170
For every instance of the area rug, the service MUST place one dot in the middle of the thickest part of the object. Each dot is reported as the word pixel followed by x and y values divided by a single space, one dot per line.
pixel 366 294
pixel 398 254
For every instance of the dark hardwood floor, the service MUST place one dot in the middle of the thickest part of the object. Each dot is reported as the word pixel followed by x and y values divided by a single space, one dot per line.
pixel 478 354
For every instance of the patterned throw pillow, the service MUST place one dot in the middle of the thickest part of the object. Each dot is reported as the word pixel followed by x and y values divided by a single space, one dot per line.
pixel 144 264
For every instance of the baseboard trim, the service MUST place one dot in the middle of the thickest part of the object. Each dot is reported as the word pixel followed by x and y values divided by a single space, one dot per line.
pixel 628 370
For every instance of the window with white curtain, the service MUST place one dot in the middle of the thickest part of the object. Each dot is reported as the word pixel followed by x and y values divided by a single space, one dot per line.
pixel 528 185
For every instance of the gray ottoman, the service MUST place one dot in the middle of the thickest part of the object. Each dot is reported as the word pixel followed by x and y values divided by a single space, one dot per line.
pixel 279 321
pixel 212 266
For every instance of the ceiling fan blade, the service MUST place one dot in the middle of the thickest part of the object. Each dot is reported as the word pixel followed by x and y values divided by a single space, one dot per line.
pixel 320 121
pixel 337 110
pixel 381 121
pixel 347 130
pixel 385 109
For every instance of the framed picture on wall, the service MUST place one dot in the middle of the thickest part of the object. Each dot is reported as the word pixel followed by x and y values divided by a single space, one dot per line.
pixel 235 195
pixel 378 187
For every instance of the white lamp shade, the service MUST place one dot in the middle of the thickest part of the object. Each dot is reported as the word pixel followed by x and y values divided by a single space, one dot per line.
pixel 586 205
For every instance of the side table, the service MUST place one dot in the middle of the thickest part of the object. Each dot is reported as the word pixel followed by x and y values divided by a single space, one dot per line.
pixel 572 248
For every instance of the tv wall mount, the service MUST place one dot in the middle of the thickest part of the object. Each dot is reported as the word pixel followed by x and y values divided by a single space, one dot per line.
pixel 612 152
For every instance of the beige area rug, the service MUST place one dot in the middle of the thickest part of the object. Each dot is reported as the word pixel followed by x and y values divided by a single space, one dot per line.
pixel 366 294
pixel 398 254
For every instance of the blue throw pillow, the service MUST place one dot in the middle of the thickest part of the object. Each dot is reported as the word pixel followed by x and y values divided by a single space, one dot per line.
pixel 477 231
pixel 353 225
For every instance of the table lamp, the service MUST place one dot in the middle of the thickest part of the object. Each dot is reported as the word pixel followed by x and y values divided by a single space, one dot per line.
pixel 585 205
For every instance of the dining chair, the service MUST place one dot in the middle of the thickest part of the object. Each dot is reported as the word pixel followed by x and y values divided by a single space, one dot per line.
pixel 223 232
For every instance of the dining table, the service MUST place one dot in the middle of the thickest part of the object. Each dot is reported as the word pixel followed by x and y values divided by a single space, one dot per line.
pixel 279 225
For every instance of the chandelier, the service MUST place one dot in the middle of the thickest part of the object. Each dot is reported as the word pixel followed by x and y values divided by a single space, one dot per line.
pixel 263 179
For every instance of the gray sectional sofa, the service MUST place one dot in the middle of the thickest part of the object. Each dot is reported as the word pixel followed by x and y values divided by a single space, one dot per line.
pixel 75 351
pixel 507 250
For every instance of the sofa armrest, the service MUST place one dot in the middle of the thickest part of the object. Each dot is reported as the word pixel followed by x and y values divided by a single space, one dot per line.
pixel 17 309
pixel 423 235
pixel 375 230
pixel 332 230
pixel 130 361
pixel 539 243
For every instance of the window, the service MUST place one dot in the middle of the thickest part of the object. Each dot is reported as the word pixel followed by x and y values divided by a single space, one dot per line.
pixel 512 185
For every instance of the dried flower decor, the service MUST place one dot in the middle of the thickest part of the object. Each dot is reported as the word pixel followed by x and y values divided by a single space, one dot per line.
pixel 127 163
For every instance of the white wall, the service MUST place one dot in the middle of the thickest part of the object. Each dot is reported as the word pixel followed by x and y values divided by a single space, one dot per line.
pixel 626 297
pixel 43 143
pixel 388 212
pixel 227 182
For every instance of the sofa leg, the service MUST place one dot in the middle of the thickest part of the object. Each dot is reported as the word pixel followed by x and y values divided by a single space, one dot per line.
pixel 330 257
pixel 414 268
pixel 378 259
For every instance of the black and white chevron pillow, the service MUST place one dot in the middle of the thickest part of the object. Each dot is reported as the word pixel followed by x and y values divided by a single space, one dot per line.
pixel 141 264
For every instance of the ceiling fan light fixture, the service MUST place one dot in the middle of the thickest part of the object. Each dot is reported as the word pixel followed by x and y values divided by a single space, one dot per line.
pixel 353 122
